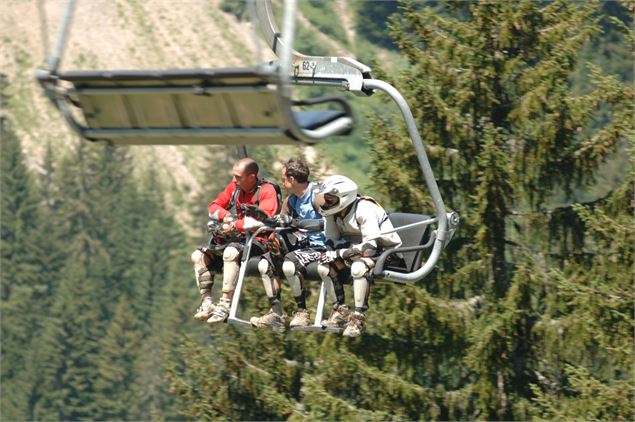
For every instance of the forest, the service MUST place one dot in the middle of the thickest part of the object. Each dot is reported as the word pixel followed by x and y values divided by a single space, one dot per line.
pixel 527 112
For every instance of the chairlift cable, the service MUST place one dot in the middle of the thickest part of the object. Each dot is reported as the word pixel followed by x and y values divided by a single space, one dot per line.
pixel 56 56
pixel 44 33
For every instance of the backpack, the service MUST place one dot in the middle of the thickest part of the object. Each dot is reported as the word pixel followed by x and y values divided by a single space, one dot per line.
pixel 232 202
pixel 366 198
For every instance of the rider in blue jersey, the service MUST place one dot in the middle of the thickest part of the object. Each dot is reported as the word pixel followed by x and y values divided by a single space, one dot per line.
pixel 298 248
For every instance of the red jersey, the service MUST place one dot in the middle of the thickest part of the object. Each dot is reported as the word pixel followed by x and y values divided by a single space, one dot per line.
pixel 268 202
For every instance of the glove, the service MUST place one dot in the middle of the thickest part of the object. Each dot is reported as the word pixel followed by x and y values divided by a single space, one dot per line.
pixel 250 223
pixel 328 257
pixel 228 227
pixel 347 253
pixel 282 220
pixel 212 226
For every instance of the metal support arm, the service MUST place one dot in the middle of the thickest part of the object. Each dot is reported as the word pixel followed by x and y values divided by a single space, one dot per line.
pixel 301 69
pixel 443 234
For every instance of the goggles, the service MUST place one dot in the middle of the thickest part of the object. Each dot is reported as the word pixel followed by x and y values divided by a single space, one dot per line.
pixel 330 200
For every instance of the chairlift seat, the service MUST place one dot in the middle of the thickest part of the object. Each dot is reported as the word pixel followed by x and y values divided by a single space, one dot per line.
pixel 240 106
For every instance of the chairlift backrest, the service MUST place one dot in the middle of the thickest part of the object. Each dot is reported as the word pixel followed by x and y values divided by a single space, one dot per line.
pixel 414 236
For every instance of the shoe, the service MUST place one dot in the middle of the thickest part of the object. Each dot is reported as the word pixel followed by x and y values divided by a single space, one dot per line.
pixel 301 318
pixel 205 310
pixel 270 319
pixel 220 312
pixel 356 325
pixel 338 317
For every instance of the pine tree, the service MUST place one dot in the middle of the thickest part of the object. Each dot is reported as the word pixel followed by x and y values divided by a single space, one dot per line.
pixel 69 345
pixel 19 212
pixel 489 84
pixel 50 235
pixel 67 369
pixel 490 90
pixel 20 279
pixel 118 352
pixel 586 330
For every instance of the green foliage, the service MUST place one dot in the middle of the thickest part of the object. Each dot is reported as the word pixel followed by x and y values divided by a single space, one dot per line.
pixel 19 211
pixel 68 350
pixel 587 398
pixel 371 18
pixel 96 238
pixel 490 87
pixel 21 283
pixel 118 351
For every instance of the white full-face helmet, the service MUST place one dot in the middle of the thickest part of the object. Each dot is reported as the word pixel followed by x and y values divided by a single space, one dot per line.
pixel 334 194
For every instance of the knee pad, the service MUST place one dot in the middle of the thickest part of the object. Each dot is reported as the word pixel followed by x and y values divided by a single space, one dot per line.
pixel 358 269
pixel 197 255
pixel 230 254
pixel 323 270
pixel 292 258
pixel 263 267
pixel 288 268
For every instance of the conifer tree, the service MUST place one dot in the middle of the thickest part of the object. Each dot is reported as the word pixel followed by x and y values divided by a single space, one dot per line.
pixel 20 280
pixel 68 350
pixel 77 319
pixel 50 234
pixel 489 85
pixel 19 212
pixel 118 351
pixel 491 92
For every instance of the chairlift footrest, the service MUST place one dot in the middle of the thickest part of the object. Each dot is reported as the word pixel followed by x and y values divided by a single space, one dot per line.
pixel 239 322
pixel 318 328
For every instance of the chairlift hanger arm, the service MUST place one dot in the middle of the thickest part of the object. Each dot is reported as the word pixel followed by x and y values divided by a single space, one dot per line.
pixel 343 72
pixel 447 223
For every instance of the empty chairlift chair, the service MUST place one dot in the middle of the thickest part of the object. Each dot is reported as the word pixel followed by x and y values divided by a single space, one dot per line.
pixel 239 106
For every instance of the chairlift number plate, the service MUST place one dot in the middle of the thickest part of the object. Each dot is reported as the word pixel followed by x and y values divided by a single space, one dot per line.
pixel 308 65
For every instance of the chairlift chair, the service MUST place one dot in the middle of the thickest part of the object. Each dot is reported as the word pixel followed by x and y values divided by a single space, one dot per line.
pixel 245 106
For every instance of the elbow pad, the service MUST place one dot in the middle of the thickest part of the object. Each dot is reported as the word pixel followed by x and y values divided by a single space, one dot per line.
pixel 368 250
pixel 309 225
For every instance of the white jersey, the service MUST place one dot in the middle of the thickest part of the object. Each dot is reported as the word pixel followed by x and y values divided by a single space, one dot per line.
pixel 362 225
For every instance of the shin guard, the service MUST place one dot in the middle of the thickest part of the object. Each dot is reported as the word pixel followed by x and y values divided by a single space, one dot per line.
pixel 360 285
pixel 231 266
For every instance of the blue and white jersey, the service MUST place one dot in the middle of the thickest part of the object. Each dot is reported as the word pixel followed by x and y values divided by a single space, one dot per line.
pixel 303 207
